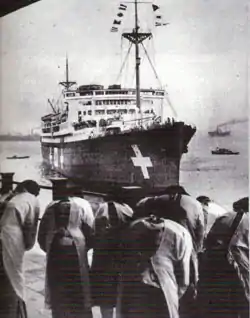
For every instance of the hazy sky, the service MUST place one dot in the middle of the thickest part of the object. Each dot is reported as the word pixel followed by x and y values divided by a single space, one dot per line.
pixel 201 56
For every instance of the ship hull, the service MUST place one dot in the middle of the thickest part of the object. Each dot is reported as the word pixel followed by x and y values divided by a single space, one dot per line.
pixel 148 159
pixel 220 134
pixel 224 154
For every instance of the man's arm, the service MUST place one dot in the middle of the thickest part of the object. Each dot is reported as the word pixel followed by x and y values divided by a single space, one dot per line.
pixel 30 226
pixel 200 228
pixel 184 269
pixel 45 227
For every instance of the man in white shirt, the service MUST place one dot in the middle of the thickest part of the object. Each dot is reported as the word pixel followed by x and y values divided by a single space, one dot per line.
pixel 156 271
pixel 18 229
pixel 212 211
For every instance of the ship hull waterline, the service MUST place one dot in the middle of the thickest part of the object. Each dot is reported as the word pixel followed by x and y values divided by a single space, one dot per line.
pixel 148 159
pixel 220 134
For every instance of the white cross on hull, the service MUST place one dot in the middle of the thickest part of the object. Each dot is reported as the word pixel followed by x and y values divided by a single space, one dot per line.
pixel 140 161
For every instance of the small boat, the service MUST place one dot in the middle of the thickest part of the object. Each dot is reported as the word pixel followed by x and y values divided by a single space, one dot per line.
pixel 224 151
pixel 219 132
pixel 18 157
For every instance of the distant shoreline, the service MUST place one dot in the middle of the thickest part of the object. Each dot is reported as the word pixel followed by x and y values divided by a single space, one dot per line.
pixel 19 137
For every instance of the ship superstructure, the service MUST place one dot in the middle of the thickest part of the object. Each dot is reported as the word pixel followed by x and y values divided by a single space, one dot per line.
pixel 115 135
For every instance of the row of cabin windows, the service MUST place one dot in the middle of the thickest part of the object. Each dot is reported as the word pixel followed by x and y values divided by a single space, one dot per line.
pixel 105 93
pixel 57 122
pixel 85 124
pixel 86 103
pixel 109 112
pixel 109 102
pixel 120 111
pixel 113 102
pixel 70 94
pixel 116 92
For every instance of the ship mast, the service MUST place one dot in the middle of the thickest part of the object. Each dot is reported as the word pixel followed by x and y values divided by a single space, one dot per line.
pixel 136 37
pixel 137 61
pixel 67 84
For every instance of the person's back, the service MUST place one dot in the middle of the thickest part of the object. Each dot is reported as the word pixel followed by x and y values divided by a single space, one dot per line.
pixel 225 267
pixel 239 244
pixel 239 249
pixel 65 234
pixel 173 255
pixel 186 208
pixel 18 232
pixel 19 213
pixel 212 211
pixel 4 199
pixel 156 273
pixel 195 220
pixel 111 221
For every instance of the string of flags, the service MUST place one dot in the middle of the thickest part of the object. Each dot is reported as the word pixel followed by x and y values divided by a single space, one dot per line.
pixel 158 16
pixel 118 20
pixel 123 7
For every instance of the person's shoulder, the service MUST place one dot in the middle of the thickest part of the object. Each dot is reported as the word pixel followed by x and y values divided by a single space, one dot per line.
pixel 223 222
pixel 228 216
pixel 177 233
pixel 32 199
pixel 191 204
pixel 216 209
pixel 23 198
pixel 10 204
pixel 83 205
pixel 191 200
pixel 176 228
pixel 81 202
pixel 142 227
pixel 51 205
pixel 124 208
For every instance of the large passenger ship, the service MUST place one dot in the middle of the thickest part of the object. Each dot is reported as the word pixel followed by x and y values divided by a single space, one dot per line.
pixel 115 135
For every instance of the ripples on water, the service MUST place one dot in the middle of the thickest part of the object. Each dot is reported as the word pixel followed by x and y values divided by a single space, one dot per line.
pixel 224 178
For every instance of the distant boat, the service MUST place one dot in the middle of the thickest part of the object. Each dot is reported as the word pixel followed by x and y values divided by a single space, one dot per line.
pixel 224 151
pixel 18 157
pixel 219 132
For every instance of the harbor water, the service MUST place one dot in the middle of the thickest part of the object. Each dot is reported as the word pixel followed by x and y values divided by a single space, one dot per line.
pixel 222 177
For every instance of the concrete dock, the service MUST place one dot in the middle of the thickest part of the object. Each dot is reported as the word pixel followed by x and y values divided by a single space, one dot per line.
pixel 35 261
pixel 35 278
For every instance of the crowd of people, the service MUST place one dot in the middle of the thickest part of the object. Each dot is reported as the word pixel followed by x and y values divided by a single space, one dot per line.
pixel 167 256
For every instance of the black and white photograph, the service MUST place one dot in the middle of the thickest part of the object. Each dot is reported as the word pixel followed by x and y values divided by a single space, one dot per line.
pixel 124 158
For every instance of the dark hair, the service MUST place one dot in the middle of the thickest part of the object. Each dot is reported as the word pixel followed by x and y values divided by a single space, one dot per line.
pixel 168 208
pixel 203 199
pixel 175 189
pixel 241 205
pixel 144 208
pixel 30 186
pixel 118 195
